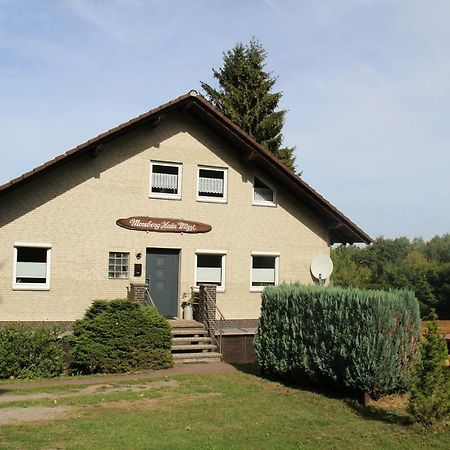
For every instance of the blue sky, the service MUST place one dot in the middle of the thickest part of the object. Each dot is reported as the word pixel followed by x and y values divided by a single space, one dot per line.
pixel 366 84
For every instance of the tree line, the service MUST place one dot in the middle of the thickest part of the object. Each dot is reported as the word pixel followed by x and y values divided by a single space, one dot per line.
pixel 419 265
pixel 245 93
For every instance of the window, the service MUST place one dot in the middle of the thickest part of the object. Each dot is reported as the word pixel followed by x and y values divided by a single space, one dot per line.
pixel 264 270
pixel 212 184
pixel 263 195
pixel 118 265
pixel 165 180
pixel 31 266
pixel 210 268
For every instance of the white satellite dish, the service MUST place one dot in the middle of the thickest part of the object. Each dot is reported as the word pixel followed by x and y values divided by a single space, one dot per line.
pixel 322 267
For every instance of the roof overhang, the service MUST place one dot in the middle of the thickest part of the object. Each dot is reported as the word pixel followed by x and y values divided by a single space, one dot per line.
pixel 341 228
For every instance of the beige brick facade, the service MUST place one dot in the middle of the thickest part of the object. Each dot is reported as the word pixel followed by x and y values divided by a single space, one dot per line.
pixel 75 207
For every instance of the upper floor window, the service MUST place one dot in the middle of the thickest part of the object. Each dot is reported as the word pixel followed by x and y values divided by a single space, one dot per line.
pixel 212 184
pixel 263 195
pixel 31 266
pixel 165 180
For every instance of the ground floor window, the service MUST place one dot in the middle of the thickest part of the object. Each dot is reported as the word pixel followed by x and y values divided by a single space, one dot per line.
pixel 210 268
pixel 31 266
pixel 264 270
pixel 118 265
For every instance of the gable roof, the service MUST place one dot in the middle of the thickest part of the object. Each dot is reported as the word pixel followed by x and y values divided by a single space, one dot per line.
pixel 341 228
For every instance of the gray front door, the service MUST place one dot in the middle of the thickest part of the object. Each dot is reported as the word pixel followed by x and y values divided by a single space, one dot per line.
pixel 162 266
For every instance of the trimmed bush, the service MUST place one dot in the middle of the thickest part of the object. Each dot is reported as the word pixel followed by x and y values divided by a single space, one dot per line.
pixel 27 352
pixel 349 338
pixel 430 392
pixel 120 336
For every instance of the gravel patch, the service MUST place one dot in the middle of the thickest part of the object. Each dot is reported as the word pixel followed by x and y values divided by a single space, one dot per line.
pixel 32 414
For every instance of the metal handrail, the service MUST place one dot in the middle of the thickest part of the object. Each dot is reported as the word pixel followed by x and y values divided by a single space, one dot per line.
pixel 148 298
pixel 213 329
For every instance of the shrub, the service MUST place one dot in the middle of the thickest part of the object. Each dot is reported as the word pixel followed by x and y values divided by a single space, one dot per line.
pixel 120 336
pixel 27 352
pixel 430 392
pixel 349 338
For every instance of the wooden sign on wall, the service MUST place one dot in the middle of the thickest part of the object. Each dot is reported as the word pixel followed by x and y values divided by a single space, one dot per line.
pixel 163 225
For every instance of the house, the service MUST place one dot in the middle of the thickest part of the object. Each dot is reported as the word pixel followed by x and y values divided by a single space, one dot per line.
pixel 179 196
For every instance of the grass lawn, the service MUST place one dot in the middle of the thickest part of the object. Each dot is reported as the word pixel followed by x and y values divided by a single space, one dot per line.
pixel 222 411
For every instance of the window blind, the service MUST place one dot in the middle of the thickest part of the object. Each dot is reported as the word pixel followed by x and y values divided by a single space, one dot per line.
pixel 165 181
pixel 263 195
pixel 210 185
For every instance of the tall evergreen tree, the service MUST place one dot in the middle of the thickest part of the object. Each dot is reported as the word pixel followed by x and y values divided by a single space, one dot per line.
pixel 245 96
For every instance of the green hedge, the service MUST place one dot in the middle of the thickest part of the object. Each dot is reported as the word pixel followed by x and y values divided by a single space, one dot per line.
pixel 348 338
pixel 27 352
pixel 120 336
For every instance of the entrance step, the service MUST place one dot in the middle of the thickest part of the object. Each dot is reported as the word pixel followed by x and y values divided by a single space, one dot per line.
pixel 197 357
pixel 188 331
pixel 191 343
pixel 191 339
pixel 182 323
pixel 193 347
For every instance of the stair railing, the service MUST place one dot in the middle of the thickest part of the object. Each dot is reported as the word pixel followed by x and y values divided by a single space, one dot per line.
pixel 148 298
pixel 212 318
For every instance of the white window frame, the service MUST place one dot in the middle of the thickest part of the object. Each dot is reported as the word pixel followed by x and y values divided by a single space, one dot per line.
pixel 32 286
pixel 271 204
pixel 161 194
pixel 276 255
pixel 223 199
pixel 221 253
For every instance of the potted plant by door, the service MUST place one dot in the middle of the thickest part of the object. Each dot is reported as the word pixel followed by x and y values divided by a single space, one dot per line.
pixel 187 303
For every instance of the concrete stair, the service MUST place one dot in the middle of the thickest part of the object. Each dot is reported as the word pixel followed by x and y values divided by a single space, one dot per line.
pixel 191 343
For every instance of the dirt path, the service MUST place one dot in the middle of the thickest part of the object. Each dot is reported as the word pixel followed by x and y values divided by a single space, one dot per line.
pixel 89 390
pixel 91 385
pixel 178 369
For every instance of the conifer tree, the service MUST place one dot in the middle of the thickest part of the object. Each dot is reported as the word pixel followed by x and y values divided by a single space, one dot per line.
pixel 245 96
pixel 430 392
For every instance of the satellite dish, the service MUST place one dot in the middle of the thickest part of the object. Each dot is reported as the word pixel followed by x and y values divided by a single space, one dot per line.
pixel 321 267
